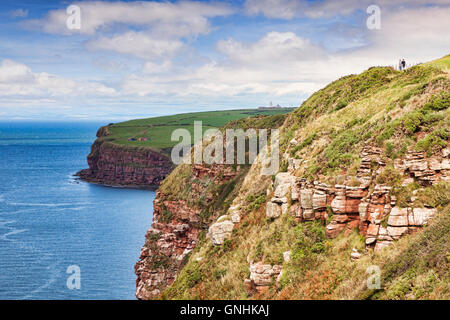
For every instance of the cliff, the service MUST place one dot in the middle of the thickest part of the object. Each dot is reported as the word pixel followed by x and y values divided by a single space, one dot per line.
pixel 363 189
pixel 175 231
pixel 136 153
pixel 189 200
pixel 125 166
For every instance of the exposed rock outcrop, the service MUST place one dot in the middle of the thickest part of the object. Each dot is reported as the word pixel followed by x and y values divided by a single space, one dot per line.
pixel 368 206
pixel 262 276
pixel 175 232
pixel 221 230
pixel 167 243
pixel 425 171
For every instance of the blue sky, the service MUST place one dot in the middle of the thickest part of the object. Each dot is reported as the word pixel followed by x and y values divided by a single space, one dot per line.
pixel 135 59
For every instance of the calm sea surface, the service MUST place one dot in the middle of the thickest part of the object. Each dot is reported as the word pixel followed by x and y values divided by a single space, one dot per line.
pixel 49 221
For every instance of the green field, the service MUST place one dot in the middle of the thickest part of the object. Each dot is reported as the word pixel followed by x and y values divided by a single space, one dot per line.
pixel 158 130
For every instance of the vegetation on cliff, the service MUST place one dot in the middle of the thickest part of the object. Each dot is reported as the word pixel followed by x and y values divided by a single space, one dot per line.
pixel 396 112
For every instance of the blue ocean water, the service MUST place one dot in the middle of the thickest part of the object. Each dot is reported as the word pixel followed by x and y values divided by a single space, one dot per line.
pixel 50 221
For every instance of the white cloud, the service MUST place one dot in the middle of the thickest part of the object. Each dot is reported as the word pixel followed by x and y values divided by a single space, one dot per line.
pixel 269 49
pixel 277 64
pixel 17 79
pixel 153 30
pixel 166 18
pixel 289 9
pixel 419 33
pixel 139 44
pixel 282 9
pixel 152 68
pixel 283 63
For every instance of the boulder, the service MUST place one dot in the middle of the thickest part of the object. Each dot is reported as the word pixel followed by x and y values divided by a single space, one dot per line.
pixel 445 165
pixel 355 192
pixel 262 274
pixel 355 255
pixel 220 231
pixel 295 193
pixel 381 244
pixel 180 228
pixel 383 234
pixel 273 210
pixel 279 200
pixel 235 217
pixel 284 208
pixel 308 214
pixel 435 164
pixel 446 152
pixel 362 210
pixel 340 218
pixel 372 230
pixel 282 184
pixel 287 256
pixel 352 205
pixel 375 213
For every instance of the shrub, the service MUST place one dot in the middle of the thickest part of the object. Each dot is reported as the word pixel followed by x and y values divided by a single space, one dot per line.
pixel 194 276
pixel 433 142
pixel 436 195
pixel 166 216
pixel 438 102
pixel 308 140
pixel 284 166
pixel 389 176
pixel 341 104
pixel 389 149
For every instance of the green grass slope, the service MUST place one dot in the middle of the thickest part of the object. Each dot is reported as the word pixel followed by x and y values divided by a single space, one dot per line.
pixel 391 109
pixel 158 130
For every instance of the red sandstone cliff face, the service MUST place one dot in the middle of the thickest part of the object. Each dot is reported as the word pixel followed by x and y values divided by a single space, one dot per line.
pixel 125 166
pixel 175 231
pixel 370 206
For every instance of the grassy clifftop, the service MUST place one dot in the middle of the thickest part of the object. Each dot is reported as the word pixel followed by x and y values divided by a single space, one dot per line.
pixel 158 130
pixel 398 112
pixel 394 110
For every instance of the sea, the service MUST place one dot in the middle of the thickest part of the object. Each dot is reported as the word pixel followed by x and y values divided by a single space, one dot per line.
pixel 61 238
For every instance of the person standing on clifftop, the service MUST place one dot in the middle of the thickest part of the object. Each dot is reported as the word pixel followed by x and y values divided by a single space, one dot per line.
pixel 404 64
pixel 400 64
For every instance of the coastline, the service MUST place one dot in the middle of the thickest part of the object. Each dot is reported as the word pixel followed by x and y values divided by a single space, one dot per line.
pixel 77 177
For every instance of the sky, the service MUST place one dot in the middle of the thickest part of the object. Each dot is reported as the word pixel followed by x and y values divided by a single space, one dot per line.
pixel 121 60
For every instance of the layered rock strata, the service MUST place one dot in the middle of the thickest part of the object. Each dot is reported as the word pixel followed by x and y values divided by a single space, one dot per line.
pixel 125 166
pixel 369 206
pixel 175 232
